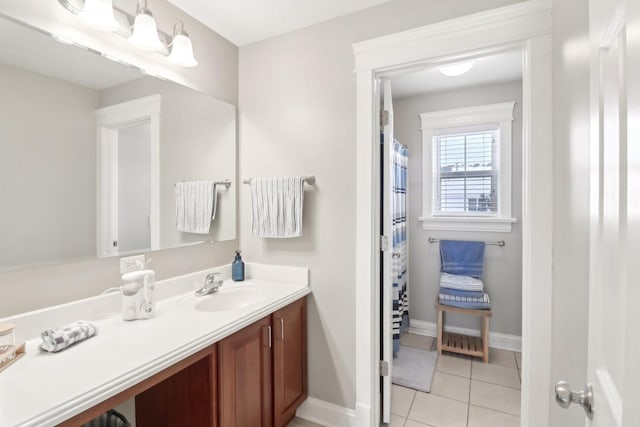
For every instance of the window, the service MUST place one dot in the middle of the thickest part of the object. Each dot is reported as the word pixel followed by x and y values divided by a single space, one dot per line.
pixel 467 168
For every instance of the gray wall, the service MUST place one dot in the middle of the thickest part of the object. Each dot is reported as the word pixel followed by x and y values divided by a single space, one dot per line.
pixel 47 181
pixel 298 117
pixel 503 265
pixel 31 288
pixel 571 200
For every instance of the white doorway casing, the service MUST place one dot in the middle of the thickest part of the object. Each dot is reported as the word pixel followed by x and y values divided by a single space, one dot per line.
pixel 526 25
pixel 108 121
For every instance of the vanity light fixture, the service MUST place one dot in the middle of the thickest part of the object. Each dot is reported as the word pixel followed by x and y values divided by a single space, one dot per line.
pixel 145 29
pixel 98 14
pixel 144 33
pixel 456 69
pixel 181 47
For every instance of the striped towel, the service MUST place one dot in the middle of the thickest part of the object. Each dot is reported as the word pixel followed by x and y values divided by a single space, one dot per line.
pixel 459 293
pixel 476 303
pixel 54 340
pixel 276 206
pixel 195 206
pixel 463 283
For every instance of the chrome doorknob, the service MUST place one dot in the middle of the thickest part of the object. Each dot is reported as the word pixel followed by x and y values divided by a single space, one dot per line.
pixel 584 397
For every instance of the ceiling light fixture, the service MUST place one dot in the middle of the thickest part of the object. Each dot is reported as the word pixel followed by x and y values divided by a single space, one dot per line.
pixel 145 29
pixel 456 69
pixel 98 14
pixel 181 47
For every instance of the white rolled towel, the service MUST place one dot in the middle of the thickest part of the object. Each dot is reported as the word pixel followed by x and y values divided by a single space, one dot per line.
pixel 54 340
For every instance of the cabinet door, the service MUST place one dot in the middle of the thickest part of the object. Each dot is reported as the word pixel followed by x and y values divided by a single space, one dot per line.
pixel 289 361
pixel 244 377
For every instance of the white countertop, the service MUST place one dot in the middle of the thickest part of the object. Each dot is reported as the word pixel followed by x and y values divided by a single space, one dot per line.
pixel 45 389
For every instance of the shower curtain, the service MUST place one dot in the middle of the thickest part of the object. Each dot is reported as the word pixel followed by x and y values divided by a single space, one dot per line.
pixel 399 248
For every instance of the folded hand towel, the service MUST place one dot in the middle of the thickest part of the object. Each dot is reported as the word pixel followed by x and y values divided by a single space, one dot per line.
pixel 465 302
pixel 462 257
pixel 459 293
pixel 276 206
pixel 464 283
pixel 54 340
pixel 195 206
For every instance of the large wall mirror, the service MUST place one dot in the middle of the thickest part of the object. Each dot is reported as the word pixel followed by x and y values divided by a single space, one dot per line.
pixel 91 150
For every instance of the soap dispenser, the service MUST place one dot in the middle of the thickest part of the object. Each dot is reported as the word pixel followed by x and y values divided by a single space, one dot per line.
pixel 237 268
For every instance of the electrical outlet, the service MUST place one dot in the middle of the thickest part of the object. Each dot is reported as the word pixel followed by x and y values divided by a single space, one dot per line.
pixel 132 263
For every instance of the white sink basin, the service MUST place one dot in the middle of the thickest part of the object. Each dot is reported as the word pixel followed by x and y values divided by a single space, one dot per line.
pixel 231 298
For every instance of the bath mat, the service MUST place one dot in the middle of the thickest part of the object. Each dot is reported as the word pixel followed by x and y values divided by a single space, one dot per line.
pixel 414 368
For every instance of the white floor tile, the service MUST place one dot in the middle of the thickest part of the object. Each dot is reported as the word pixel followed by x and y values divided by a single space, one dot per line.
pixel 451 386
pixel 438 411
pixel 411 423
pixel 502 357
pixel 454 365
pixel 299 422
pixel 482 417
pixel 416 341
pixel 496 397
pixel 495 374
pixel 401 399
pixel 397 421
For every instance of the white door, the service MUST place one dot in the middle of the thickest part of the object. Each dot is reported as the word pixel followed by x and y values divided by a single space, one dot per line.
pixel 614 329
pixel 386 317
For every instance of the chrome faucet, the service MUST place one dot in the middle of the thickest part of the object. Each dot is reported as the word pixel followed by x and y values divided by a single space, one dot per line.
pixel 212 284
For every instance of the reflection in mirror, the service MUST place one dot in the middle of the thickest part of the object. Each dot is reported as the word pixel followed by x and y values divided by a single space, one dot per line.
pixel 90 150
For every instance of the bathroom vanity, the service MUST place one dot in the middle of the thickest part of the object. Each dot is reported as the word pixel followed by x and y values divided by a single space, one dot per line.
pixel 236 357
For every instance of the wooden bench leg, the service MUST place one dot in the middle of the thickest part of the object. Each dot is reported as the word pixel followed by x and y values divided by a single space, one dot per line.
pixel 485 339
pixel 439 334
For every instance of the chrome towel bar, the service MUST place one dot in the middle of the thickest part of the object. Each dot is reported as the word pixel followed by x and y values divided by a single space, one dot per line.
pixel 308 179
pixel 498 243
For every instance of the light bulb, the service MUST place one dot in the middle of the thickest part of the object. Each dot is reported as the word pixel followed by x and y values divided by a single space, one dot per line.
pixel 98 14
pixel 145 32
pixel 181 48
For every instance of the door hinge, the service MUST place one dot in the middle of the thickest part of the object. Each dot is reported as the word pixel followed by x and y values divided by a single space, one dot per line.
pixel 384 243
pixel 384 368
pixel 384 118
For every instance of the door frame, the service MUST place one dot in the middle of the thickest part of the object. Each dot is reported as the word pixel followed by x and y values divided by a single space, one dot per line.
pixel 528 25
pixel 108 121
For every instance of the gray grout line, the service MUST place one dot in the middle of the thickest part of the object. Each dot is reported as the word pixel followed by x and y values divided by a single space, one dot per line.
pixel 494 410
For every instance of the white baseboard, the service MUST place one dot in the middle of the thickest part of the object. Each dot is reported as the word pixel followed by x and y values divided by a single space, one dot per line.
pixel 326 414
pixel 496 340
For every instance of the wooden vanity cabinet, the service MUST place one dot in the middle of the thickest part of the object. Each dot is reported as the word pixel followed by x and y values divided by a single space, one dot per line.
pixel 289 361
pixel 244 377
pixel 187 398
pixel 256 377
pixel 262 370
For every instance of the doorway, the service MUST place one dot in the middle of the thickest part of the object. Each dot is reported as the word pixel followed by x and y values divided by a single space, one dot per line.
pixel 461 123
pixel 128 146
pixel 526 26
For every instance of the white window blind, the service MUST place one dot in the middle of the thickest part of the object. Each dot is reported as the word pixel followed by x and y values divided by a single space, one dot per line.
pixel 465 174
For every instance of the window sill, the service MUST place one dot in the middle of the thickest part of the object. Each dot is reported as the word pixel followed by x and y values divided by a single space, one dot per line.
pixel 465 223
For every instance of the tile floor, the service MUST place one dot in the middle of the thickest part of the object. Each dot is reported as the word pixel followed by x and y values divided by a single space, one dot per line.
pixel 464 393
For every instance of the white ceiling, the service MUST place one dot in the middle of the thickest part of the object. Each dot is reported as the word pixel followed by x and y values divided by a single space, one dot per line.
pixel 498 68
pixel 26 48
pixel 247 21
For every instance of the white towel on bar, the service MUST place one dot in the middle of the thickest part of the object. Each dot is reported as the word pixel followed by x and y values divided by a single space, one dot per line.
pixel 276 206
pixel 195 206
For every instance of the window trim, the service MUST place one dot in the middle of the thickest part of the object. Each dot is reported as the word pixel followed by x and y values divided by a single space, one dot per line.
pixel 456 120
